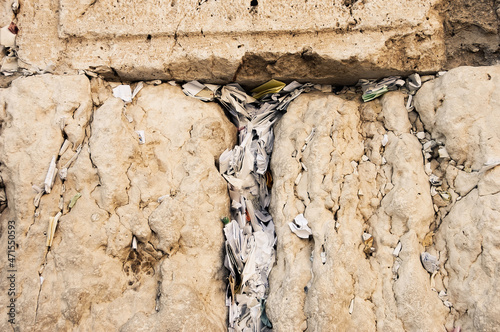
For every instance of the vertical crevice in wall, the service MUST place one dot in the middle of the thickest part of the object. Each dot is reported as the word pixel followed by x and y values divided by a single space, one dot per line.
pixel 250 232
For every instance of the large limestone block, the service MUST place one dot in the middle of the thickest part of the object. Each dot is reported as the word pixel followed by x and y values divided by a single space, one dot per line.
pixel 91 278
pixel 471 32
pixel 222 41
pixel 344 194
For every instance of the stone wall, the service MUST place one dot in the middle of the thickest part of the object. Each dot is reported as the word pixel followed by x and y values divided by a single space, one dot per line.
pixel 420 179
pixel 367 172
pixel 333 42
pixel 91 278
pixel 354 184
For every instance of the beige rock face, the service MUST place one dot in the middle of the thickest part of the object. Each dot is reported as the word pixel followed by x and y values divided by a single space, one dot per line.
pixel 223 41
pixel 387 193
pixel 343 196
pixel 252 41
pixel 467 126
pixel 364 171
pixel 462 110
pixel 92 279
pixel 471 31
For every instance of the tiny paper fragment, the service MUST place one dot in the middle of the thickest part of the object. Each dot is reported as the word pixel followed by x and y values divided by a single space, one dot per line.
pixel 73 200
pixel 64 147
pixel 299 227
pixel 49 178
pixel 123 92
pixel 52 228
pixel 141 135
pixel 385 140
pixel 429 262
pixel 397 250
pixel 368 243
pixel 162 198
pixel 413 83
pixel 138 88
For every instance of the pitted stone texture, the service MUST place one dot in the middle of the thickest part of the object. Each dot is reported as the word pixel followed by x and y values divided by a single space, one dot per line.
pixel 6 13
pixel 472 32
pixel 468 239
pixel 341 200
pixel 95 18
pixel 92 279
pixel 462 110
pixel 222 41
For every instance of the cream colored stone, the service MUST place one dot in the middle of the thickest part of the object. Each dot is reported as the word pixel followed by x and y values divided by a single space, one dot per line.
pixel 92 279
pixel 6 13
pixel 465 182
pixel 395 114
pixel 331 42
pixel 489 184
pixel 469 240
pixel 88 18
pixel 461 109
pixel 321 294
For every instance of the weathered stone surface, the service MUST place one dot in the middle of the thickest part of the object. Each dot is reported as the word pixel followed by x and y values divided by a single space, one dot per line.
pixel 6 13
pixel 92 279
pixel 461 108
pixel 337 41
pixel 471 32
pixel 390 201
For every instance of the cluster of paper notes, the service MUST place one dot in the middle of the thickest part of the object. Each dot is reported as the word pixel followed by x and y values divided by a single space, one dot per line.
pixel 375 88
pixel 250 236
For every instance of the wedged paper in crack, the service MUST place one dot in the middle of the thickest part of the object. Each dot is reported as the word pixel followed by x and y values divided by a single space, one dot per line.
pixel 49 178
pixel 430 262
pixel 250 236
pixel 299 227
pixel 271 87
pixel 73 200
pixel 123 92
pixel 204 92
pixel 52 228
pixel 373 88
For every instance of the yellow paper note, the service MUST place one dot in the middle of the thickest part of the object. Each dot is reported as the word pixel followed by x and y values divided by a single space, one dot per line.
pixel 273 86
